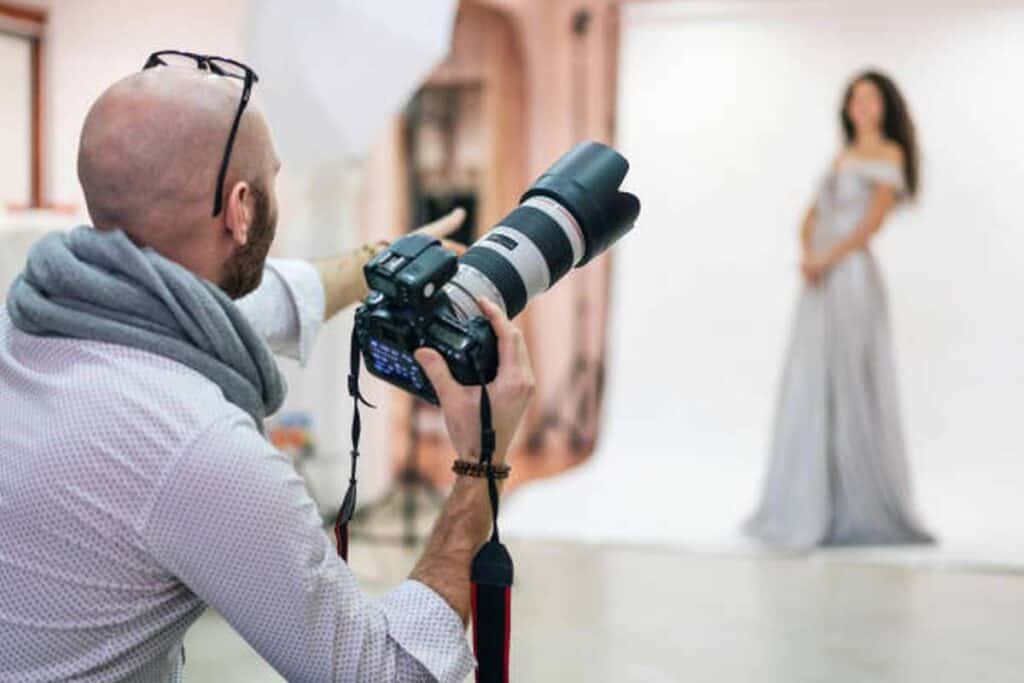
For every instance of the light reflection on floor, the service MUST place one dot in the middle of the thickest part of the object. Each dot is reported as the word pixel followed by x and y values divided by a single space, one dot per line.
pixel 599 613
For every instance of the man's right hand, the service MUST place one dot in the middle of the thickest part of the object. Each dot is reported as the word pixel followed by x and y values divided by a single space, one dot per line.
pixel 465 521
pixel 510 392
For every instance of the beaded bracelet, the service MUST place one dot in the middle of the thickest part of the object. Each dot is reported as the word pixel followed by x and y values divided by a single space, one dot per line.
pixel 479 469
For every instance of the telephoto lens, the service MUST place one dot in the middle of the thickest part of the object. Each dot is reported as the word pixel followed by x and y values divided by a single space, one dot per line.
pixel 419 296
pixel 570 215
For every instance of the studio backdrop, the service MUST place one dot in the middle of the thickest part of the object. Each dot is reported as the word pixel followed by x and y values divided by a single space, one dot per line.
pixel 728 112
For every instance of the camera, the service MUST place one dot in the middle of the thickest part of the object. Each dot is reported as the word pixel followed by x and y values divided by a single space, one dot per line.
pixel 421 295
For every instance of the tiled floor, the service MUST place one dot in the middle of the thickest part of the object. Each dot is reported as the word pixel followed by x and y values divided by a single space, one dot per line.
pixel 598 613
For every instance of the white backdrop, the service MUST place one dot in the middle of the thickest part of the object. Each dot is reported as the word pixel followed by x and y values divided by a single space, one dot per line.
pixel 728 114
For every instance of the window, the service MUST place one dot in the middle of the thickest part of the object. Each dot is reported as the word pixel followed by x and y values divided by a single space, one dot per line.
pixel 20 106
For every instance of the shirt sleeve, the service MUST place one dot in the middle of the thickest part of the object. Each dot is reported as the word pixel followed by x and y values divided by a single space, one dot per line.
pixel 234 522
pixel 287 309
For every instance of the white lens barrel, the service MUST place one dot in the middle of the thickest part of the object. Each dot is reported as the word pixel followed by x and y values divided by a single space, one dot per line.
pixel 565 220
pixel 528 252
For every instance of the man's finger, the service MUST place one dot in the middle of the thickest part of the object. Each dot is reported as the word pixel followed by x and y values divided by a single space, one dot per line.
pixel 446 224
pixel 437 372
pixel 458 247
pixel 507 333
pixel 503 327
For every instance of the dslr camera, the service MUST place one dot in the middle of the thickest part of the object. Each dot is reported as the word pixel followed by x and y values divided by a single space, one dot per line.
pixel 421 294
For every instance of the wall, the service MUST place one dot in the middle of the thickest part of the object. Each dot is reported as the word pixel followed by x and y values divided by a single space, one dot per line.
pixel 570 93
pixel 544 90
pixel 93 44
pixel 727 111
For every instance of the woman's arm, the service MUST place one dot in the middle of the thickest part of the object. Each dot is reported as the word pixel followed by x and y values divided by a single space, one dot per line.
pixel 807 229
pixel 882 201
pixel 816 265
pixel 810 274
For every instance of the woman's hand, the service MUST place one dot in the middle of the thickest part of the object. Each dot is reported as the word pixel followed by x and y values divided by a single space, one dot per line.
pixel 814 267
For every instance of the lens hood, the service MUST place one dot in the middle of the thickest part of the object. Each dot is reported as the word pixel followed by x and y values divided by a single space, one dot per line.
pixel 586 181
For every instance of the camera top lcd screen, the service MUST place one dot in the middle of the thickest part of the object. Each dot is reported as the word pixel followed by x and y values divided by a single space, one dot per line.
pixel 452 339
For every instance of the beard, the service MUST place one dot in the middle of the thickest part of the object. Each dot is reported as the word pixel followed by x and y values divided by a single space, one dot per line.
pixel 243 271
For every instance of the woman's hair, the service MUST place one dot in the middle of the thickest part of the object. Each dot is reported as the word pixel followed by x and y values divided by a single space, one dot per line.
pixel 896 122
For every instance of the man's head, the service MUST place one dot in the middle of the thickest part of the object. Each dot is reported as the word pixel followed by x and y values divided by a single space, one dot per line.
pixel 150 151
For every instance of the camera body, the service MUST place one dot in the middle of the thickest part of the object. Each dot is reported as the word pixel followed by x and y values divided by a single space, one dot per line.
pixel 408 309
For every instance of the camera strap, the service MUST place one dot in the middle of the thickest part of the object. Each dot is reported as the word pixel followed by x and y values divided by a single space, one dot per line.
pixel 491 575
pixel 348 504
pixel 491 572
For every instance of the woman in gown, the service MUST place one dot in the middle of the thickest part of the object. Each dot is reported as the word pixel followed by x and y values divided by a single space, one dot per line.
pixel 838 473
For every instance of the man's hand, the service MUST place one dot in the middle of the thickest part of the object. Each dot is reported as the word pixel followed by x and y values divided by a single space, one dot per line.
pixel 465 521
pixel 342 276
pixel 445 226
pixel 510 392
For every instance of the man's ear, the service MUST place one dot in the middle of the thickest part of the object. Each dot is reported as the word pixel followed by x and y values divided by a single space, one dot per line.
pixel 238 213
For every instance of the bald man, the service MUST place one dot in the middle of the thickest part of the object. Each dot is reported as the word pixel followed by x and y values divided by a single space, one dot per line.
pixel 136 487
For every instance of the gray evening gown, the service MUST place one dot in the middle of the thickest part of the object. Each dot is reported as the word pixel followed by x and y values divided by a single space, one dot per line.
pixel 838 473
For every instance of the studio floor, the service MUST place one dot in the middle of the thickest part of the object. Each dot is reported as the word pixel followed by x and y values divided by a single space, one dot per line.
pixel 600 613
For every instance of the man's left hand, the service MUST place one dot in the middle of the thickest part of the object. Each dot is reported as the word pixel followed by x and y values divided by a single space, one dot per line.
pixel 445 226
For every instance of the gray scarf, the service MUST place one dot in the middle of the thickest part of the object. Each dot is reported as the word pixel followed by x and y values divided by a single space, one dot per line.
pixel 98 285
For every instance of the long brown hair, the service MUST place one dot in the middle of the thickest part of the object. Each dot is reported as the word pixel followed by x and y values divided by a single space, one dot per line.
pixel 896 122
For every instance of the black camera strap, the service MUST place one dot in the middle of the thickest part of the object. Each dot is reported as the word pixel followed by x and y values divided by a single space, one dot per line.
pixel 492 571
pixel 348 504
pixel 491 574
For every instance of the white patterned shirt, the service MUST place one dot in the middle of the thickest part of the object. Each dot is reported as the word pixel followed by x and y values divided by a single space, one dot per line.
pixel 133 495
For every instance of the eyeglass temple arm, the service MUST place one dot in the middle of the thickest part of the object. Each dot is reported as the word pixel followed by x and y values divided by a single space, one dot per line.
pixel 218 200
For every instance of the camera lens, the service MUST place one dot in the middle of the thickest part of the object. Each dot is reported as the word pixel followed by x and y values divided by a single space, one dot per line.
pixel 570 215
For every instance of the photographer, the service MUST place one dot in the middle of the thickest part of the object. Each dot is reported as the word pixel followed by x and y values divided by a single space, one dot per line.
pixel 136 487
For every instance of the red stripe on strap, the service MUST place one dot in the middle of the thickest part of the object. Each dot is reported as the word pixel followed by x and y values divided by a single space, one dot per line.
pixel 476 630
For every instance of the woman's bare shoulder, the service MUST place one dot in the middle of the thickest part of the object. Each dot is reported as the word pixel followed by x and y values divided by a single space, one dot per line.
pixel 841 156
pixel 891 152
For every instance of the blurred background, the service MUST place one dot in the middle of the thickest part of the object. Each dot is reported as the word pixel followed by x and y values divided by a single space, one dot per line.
pixel 658 363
